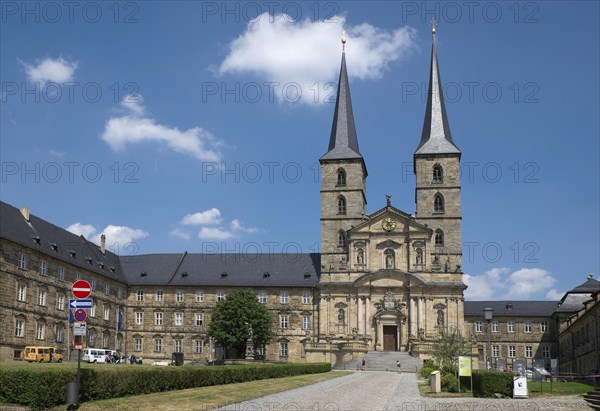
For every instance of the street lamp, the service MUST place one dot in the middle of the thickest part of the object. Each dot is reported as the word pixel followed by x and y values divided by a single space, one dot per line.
pixel 488 314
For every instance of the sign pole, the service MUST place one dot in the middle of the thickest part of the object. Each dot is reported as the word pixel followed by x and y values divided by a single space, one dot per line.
pixel 69 335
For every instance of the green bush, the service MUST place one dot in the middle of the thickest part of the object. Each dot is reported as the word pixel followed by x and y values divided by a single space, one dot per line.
pixel 46 387
pixel 488 383
pixel 449 383
pixel 425 371
pixel 428 364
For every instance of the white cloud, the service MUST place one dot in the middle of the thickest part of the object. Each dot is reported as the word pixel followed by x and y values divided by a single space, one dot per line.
pixel 51 70
pixel 209 233
pixel 136 127
pixel 553 294
pixel 82 229
pixel 207 217
pixel 116 236
pixel 308 52
pixel 236 225
pixel 500 283
pixel 178 232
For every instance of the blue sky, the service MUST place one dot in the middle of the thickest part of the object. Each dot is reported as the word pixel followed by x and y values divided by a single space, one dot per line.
pixel 198 126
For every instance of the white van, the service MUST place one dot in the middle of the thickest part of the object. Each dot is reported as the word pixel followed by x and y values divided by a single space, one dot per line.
pixel 95 355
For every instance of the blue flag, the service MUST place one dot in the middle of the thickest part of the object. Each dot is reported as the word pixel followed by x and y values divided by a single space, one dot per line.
pixel 71 319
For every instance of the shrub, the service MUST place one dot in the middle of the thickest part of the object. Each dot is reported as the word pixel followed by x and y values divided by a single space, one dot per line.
pixel 428 364
pixel 488 383
pixel 41 388
pixel 449 383
pixel 425 371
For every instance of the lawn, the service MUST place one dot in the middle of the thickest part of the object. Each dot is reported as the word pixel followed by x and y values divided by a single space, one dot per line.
pixel 537 389
pixel 206 398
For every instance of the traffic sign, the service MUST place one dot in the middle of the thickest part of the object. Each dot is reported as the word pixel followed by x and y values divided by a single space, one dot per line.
pixel 85 303
pixel 79 329
pixel 81 289
pixel 80 315
pixel 78 345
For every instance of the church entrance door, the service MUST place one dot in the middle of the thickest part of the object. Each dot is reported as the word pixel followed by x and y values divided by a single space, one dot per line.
pixel 390 338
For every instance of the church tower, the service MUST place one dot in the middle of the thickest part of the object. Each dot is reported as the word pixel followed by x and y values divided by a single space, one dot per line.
pixel 437 168
pixel 343 182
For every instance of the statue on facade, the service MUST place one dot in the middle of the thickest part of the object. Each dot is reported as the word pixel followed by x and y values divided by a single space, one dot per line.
pixel 440 318
pixel 360 257
pixel 389 261
pixel 341 316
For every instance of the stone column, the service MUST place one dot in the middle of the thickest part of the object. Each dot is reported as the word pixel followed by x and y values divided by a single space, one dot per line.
pixel 360 318
pixel 411 317
pixel 368 316
pixel 419 314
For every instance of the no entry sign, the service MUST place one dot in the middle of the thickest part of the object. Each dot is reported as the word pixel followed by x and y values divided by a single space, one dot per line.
pixel 81 289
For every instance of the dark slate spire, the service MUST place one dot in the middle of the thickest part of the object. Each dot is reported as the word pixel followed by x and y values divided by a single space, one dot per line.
pixel 436 137
pixel 343 143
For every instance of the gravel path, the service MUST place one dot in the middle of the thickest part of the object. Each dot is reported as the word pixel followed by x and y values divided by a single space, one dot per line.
pixel 389 391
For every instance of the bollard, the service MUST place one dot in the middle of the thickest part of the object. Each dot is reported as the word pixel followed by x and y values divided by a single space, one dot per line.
pixel 72 394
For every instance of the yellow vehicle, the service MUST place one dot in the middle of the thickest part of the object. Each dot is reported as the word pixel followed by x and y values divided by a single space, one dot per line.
pixel 41 354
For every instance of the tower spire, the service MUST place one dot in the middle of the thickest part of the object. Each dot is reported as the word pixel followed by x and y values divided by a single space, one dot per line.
pixel 436 137
pixel 343 142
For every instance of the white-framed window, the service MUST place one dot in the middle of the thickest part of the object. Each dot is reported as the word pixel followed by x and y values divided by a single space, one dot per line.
pixel 495 327
pixel 77 276
pixel 119 293
pixel 22 261
pixel 21 292
pixel 139 296
pixel 262 297
pixel 177 345
pixel 544 326
pixel 528 351
pixel 495 351
pixel 510 326
pixel 43 267
pixel 220 295
pixel 306 297
pixel 283 321
pixel 105 340
pixel 107 288
pixel 284 297
pixel 478 327
pixel 199 296
pixel 60 302
pixel 527 327
pixel 139 318
pixel 41 331
pixel 42 297
pixel 137 344
pixel 158 318
pixel 61 273
pixel 178 319
pixel 60 331
pixel 107 313
pixel 157 344
pixel 199 319
pixel 93 309
pixel 93 284
pixel 198 346
pixel 545 351
pixel 92 338
pixel 306 322
pixel 283 349
pixel 19 328
pixel 160 296
pixel 512 351
pixel 179 296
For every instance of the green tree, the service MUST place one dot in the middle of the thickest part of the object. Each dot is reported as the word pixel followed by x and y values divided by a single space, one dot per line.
pixel 446 349
pixel 231 320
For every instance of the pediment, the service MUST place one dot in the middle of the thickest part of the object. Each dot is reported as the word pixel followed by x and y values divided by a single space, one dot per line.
pixel 404 223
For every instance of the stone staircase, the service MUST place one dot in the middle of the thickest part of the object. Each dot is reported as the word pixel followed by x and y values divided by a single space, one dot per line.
pixel 593 399
pixel 383 361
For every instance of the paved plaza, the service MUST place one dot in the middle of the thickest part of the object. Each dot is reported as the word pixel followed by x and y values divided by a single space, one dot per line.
pixel 389 391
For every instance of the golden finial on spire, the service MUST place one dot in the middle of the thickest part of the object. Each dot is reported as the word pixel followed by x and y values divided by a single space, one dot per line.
pixel 433 23
pixel 343 39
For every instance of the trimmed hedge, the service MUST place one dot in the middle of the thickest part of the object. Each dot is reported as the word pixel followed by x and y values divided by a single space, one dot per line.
pixel 488 383
pixel 46 387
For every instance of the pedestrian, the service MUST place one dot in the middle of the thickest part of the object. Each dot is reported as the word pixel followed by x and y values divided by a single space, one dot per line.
pixel 398 366
pixel 364 364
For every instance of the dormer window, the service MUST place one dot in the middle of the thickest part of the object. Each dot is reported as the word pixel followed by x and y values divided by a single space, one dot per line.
pixel 438 174
pixel 341 177
pixel 438 203
pixel 341 205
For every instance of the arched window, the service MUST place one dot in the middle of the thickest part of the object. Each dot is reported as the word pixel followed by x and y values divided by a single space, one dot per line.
pixel 341 177
pixel 341 205
pixel 342 238
pixel 419 256
pixel 438 203
pixel 438 173
pixel 439 238
pixel 390 259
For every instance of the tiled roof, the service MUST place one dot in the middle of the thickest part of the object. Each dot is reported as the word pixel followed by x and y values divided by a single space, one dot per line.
pixel 512 307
